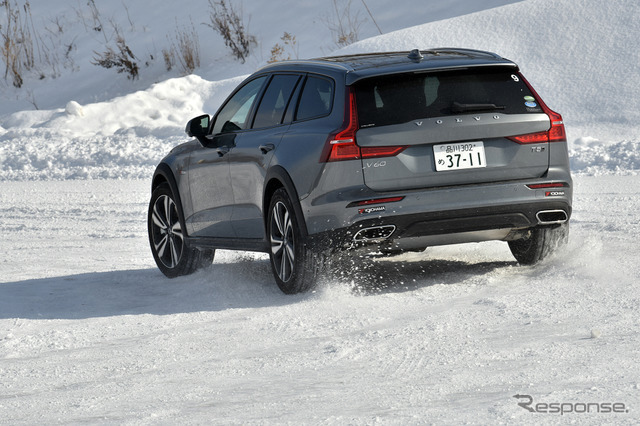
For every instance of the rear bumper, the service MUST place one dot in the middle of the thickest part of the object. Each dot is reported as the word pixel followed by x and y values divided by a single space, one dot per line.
pixel 485 219
pixel 478 219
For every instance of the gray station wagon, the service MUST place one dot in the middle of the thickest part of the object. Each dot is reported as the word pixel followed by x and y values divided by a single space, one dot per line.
pixel 385 152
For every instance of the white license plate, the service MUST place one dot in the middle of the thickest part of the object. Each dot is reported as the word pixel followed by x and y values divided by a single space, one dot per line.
pixel 458 156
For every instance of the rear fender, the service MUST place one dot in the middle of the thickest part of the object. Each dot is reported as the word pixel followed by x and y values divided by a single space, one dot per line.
pixel 277 177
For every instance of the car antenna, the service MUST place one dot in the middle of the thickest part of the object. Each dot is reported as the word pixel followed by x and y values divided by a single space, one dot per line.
pixel 415 55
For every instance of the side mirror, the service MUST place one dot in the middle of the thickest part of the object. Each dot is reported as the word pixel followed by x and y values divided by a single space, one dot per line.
pixel 198 127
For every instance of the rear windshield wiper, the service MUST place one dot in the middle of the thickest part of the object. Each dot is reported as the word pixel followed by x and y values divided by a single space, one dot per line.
pixel 457 107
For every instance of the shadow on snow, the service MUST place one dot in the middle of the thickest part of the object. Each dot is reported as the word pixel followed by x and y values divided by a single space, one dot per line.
pixel 245 283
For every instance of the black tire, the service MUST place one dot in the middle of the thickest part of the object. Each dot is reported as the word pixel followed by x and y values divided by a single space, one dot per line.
pixel 167 238
pixel 293 263
pixel 539 243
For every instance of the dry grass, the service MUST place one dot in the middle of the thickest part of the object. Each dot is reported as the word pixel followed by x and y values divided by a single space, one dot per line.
pixel 123 60
pixel 185 47
pixel 17 49
pixel 228 22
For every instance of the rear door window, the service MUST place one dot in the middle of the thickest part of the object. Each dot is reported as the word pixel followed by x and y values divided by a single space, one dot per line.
pixel 398 99
pixel 316 99
pixel 275 100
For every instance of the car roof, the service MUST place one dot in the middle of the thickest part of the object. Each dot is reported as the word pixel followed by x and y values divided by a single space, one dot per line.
pixel 359 66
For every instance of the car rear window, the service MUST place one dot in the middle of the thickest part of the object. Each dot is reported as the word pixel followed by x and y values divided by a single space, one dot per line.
pixel 400 98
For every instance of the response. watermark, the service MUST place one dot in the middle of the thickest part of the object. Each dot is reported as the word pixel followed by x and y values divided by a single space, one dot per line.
pixel 562 408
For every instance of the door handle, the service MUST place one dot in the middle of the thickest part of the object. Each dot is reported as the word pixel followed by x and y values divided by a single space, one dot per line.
pixel 222 150
pixel 266 148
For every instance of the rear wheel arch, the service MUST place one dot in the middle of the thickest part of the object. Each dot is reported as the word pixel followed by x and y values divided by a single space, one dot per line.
pixel 277 178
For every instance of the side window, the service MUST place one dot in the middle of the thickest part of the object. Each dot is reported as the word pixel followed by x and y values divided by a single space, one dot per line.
pixel 234 114
pixel 275 101
pixel 316 99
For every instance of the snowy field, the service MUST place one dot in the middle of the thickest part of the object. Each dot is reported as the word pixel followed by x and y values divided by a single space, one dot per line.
pixel 91 331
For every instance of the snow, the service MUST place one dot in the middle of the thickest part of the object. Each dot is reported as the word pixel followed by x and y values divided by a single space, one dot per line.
pixel 599 102
pixel 575 54
pixel 92 332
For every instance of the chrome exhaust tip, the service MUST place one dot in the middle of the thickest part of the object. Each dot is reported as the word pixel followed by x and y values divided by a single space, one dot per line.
pixel 551 217
pixel 374 234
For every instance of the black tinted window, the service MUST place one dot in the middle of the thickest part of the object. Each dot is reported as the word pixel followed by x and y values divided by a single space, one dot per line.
pixel 233 116
pixel 316 99
pixel 275 101
pixel 402 98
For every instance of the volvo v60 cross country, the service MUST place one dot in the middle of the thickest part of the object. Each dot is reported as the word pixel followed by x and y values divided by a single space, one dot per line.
pixel 395 151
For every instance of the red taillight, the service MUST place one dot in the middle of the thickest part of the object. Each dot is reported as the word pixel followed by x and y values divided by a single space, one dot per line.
pixel 341 151
pixel 556 132
pixel 531 138
pixel 342 145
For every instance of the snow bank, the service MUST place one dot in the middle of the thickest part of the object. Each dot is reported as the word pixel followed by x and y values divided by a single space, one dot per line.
pixel 579 55
pixel 121 138
pixel 73 33
pixel 592 157
pixel 567 50
pixel 160 110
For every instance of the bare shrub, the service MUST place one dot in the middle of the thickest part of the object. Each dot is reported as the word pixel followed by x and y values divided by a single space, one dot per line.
pixel 277 54
pixel 169 57
pixel 97 25
pixel 56 49
pixel 226 21
pixel 17 49
pixel 185 46
pixel 344 23
pixel 289 46
pixel 123 60
pixel 121 57
pixel 25 50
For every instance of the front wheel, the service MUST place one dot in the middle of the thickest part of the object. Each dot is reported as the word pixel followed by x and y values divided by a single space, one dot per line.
pixel 167 238
pixel 539 243
pixel 292 261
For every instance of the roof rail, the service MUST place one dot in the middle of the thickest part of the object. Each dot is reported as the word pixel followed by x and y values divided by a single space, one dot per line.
pixel 414 54
pixel 464 51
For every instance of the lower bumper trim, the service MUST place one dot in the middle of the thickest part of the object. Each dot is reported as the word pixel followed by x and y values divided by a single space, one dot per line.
pixel 460 222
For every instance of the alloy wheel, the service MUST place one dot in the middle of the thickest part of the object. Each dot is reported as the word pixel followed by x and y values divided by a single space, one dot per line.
pixel 282 241
pixel 167 235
